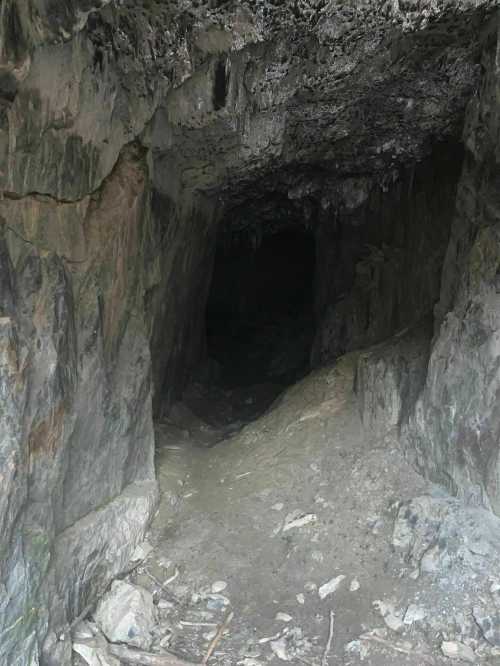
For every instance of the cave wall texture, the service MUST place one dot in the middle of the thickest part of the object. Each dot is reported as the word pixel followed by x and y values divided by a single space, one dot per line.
pixel 127 130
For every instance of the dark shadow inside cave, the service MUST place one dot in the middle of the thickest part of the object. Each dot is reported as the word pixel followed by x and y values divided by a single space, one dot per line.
pixel 260 307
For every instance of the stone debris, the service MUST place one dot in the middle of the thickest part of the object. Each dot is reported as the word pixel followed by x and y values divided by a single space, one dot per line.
pixel 279 648
pixel 489 624
pixel 436 534
pixel 301 598
pixel 93 653
pixel 278 506
pixel 298 519
pixel 414 613
pixel 291 645
pixel 283 617
pixel 458 651
pixel 330 587
pixel 126 614
pixel 354 586
pixel 219 586
pixel 92 647
pixel 217 602
pixel 391 617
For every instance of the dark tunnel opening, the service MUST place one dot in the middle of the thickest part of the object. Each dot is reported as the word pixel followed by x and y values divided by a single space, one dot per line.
pixel 260 308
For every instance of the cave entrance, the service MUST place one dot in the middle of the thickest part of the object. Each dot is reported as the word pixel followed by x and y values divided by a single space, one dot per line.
pixel 260 315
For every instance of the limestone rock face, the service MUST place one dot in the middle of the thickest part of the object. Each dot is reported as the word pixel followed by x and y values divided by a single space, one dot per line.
pixel 389 378
pixel 454 432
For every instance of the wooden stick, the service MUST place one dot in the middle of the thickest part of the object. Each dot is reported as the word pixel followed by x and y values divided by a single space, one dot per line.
pixel 328 647
pixel 141 658
pixel 218 637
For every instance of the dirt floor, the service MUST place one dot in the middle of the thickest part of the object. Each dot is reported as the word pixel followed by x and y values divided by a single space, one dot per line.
pixel 284 530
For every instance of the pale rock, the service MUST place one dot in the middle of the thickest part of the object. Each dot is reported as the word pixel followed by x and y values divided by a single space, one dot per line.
pixel 218 586
pixel 301 598
pixel 330 587
pixel 297 519
pixel 126 614
pixel 278 506
pixel 283 617
pixel 94 653
pixel 392 619
pixel 414 613
pixel 459 651
pixel 279 648
pixel 354 586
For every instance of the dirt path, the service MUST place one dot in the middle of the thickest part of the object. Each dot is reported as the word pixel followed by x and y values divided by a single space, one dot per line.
pixel 256 525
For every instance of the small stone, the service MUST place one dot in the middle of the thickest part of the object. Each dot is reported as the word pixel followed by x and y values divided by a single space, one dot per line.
pixel 354 586
pixel 283 617
pixel 218 586
pixel 415 574
pixel 293 520
pixel 278 506
pixel 392 619
pixel 310 586
pixel 301 599
pixel 414 613
pixel 460 651
pixel 330 587
pixel 279 648
pixel 217 602
pixel 210 635
pixel 94 654
pixel 126 614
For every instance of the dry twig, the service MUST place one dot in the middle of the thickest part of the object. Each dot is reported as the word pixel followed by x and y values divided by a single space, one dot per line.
pixel 218 637
pixel 328 647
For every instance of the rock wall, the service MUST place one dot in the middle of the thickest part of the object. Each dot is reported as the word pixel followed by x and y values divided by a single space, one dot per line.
pixel 390 377
pixel 80 449
pixel 380 254
pixel 454 433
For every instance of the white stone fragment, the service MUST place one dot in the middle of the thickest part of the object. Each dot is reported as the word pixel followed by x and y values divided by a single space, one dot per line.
pixel 293 521
pixel 279 648
pixel 278 506
pixel 459 651
pixel 392 619
pixel 330 587
pixel 414 613
pixel 219 586
pixel 283 617
pixel 301 599
pixel 93 654
pixel 354 586
pixel 126 614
